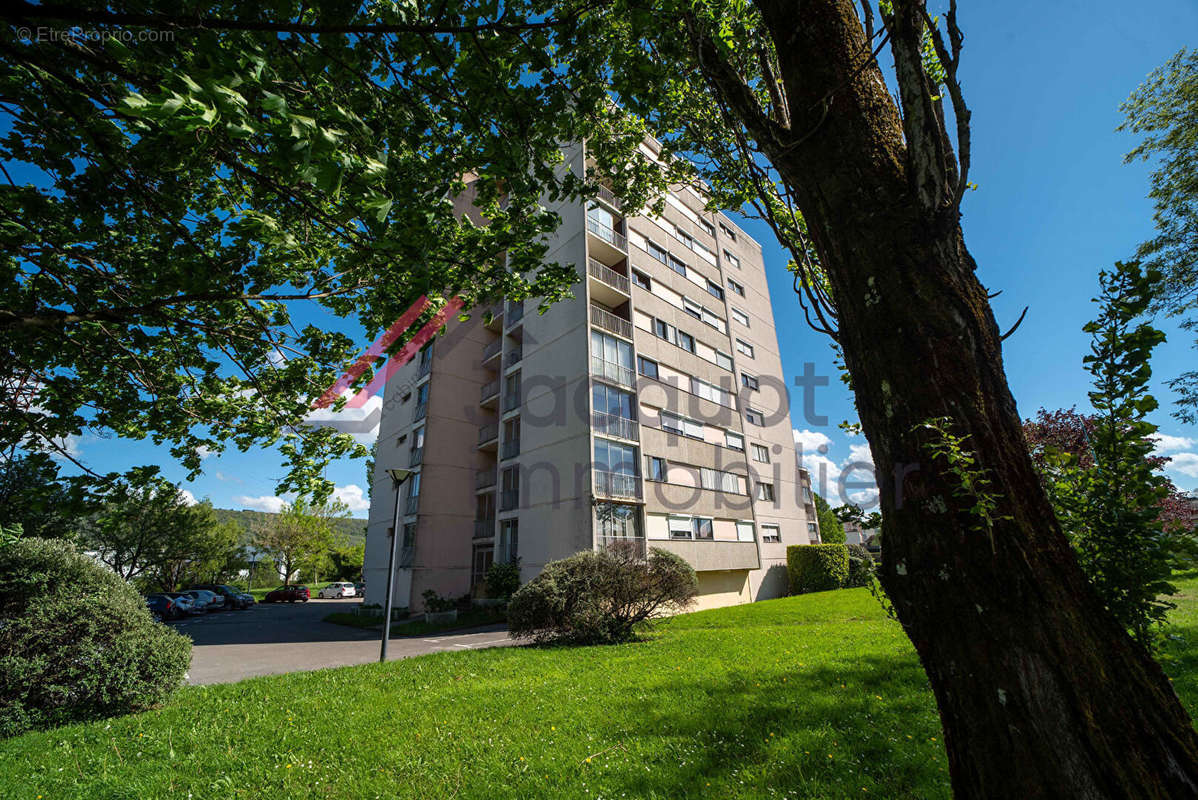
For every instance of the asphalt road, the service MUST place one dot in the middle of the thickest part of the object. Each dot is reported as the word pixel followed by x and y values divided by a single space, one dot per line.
pixel 275 638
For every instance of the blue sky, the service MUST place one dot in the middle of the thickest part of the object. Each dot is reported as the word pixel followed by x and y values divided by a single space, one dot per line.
pixel 1055 204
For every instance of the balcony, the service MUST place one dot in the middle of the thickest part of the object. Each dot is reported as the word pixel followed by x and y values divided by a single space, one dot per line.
pixel 493 317
pixel 515 313
pixel 606 245
pixel 492 350
pixel 416 457
pixel 511 448
pixel 601 318
pixel 514 355
pixel 509 499
pixel 488 436
pixel 425 367
pixel 611 371
pixel 484 528
pixel 616 484
pixel 632 546
pixel 420 412
pixel 411 505
pixel 608 196
pixel 511 401
pixel 488 393
pixel 613 425
pixel 607 286
pixel 484 478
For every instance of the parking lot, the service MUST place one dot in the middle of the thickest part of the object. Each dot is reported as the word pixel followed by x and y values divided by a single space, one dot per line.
pixel 269 639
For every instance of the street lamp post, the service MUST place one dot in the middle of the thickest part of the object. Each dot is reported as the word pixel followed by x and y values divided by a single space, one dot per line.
pixel 398 476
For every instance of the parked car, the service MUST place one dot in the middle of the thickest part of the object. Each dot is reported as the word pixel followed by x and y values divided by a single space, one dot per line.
pixel 162 607
pixel 186 603
pixel 360 589
pixel 287 594
pixel 232 596
pixel 210 601
pixel 247 599
pixel 336 591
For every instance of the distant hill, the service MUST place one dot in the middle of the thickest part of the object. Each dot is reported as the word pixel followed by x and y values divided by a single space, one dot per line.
pixel 352 529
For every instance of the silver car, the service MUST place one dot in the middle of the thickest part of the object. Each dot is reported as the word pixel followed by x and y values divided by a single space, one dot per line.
pixel 206 600
pixel 185 602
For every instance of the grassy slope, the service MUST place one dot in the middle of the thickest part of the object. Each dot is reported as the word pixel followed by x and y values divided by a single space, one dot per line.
pixel 817 696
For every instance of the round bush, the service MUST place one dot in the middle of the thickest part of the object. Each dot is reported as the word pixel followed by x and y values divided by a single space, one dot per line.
pixel 600 597
pixel 861 566
pixel 76 641
pixel 503 579
pixel 817 567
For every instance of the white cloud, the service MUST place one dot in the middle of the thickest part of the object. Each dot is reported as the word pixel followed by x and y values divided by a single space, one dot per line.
pixel 860 454
pixel 188 497
pixel 265 502
pixel 1185 463
pixel 353 496
pixel 1167 444
pixel 361 423
pixel 811 441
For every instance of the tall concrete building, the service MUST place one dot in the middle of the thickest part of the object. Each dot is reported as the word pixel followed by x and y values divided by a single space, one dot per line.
pixel 649 410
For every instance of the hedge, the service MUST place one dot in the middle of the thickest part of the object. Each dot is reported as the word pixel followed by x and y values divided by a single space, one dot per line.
pixel 817 567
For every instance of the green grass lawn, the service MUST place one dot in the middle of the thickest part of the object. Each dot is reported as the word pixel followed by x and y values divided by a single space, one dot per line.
pixel 473 618
pixel 313 588
pixel 809 697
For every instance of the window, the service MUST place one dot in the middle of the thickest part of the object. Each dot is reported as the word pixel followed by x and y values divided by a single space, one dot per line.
pixel 731 234
pixel 610 400
pixel 657 251
pixel 812 532
pixel 407 396
pixel 744 348
pixel 422 394
pixel 719 481
pixel 677 265
pixel 754 417
pixel 724 360
pixel 703 528
pixel 684 237
pixel 749 381
pixel 771 533
pixel 676 424
pixel 611 358
pixel 765 491
pixel 655 469
pixel 618 521
pixel 418 438
pixel 714 290
pixel 731 259
pixel 736 287
pixel 641 280
pixel 414 485
pixel 647 367
pixel 664 330
pixel 692 308
pixel 734 441
pixel 409 535
pixel 509 539
pixel 707 226
pixel 686 342
pixel 711 319
pixel 740 317
pixel 484 555
pixel 616 457
pixel 745 532
pixel 671 422
pixel 680 528
pixel 511 479
pixel 713 393
pixel 401 440
pixel 761 453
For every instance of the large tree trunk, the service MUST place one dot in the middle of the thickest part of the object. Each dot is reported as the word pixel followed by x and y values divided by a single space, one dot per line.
pixel 1041 693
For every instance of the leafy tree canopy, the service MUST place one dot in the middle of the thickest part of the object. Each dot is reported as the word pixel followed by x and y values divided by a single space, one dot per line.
pixel 831 531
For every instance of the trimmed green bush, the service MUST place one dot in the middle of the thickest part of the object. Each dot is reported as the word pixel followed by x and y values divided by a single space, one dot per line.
pixel 861 566
pixel 601 597
pixel 503 579
pixel 76 641
pixel 817 567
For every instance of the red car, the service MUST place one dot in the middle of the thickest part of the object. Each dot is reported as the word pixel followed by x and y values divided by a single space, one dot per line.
pixel 288 594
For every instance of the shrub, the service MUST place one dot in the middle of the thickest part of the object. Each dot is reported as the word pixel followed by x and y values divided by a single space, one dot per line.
pixel 503 579
pixel 435 603
pixel 861 566
pixel 816 567
pixel 600 597
pixel 76 641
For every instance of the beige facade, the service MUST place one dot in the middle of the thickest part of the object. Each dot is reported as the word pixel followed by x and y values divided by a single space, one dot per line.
pixel 651 407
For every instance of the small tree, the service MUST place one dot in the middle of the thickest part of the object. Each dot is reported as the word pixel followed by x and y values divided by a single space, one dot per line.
pixel 503 579
pixel 299 534
pixel 601 597
pixel 831 531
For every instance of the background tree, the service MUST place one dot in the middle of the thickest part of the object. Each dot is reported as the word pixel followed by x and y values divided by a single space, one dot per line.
pixel 1163 111
pixel 831 531
pixel 204 551
pixel 347 560
pixel 300 533
pixel 34 496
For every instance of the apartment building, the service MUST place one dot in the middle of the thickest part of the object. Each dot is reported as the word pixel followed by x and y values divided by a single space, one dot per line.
pixel 649 410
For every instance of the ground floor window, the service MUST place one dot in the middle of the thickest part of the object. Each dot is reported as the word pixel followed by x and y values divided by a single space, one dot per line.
pixel 484 556
pixel 509 540
pixel 618 520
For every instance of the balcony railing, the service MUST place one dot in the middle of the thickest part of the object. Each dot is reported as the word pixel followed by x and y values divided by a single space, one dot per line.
pixel 420 412
pixel 511 448
pixel 405 557
pixel 484 478
pixel 488 391
pixel 484 528
pixel 610 322
pixel 492 350
pixel 488 432
pixel 416 457
pixel 609 370
pixel 613 425
pixel 514 355
pixel 509 499
pixel 425 366
pixel 411 505
pixel 632 546
pixel 609 197
pixel 617 484
pixel 511 400
pixel 607 275
pixel 605 233
pixel 515 313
